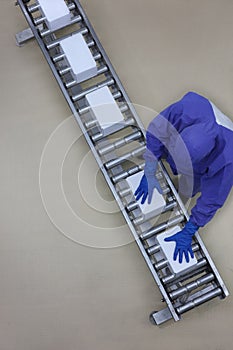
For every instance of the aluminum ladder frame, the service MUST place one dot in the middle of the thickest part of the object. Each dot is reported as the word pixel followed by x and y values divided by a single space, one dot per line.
pixel 181 292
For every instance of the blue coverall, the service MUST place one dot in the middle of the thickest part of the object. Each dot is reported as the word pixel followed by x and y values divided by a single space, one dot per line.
pixel 191 137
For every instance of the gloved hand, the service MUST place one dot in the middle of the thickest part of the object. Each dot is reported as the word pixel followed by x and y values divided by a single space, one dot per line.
pixel 148 183
pixel 183 241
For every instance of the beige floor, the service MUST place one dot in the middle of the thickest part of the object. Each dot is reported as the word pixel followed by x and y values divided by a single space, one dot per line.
pixel 56 294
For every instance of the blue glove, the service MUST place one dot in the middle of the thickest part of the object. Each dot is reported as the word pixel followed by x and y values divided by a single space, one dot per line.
pixel 148 183
pixel 183 241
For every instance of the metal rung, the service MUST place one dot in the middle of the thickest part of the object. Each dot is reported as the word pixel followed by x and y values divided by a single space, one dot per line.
pixel 86 109
pixel 200 264
pixel 100 70
pixel 162 227
pixel 39 20
pixel 125 192
pixel 74 20
pixel 127 173
pixel 71 6
pixel 200 300
pixel 132 206
pixel 192 286
pixel 56 42
pixel 142 219
pixel 59 57
pixel 90 43
pixel 127 122
pixel 165 190
pixel 36 7
pixel 120 143
pixel 92 123
pixel 33 8
pixel 124 108
pixel 97 56
pixel 124 157
pixel 153 249
pixel 97 137
pixel 65 70
pixel 107 82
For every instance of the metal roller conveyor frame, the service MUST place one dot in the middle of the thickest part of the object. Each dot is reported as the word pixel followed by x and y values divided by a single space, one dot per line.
pixel 143 231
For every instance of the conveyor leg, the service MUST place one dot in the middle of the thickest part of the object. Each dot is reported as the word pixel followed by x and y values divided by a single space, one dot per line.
pixel 159 317
pixel 24 36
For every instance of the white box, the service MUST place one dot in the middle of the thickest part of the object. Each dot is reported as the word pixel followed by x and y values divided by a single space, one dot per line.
pixel 157 203
pixel 168 250
pixel 105 110
pixel 79 57
pixel 56 12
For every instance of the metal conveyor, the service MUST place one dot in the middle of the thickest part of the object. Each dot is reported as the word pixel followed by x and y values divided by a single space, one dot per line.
pixel 117 145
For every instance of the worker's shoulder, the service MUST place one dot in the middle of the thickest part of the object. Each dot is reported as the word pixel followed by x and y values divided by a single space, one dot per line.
pixel 192 97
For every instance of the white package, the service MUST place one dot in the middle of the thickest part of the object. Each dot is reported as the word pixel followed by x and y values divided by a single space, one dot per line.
pixel 157 203
pixel 56 12
pixel 168 250
pixel 105 110
pixel 79 57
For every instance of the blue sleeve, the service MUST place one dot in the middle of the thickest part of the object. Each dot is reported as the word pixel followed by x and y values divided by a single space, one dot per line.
pixel 214 192
pixel 160 129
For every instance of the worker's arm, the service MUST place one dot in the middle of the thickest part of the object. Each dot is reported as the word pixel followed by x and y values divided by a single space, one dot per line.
pixel 215 187
pixel 158 137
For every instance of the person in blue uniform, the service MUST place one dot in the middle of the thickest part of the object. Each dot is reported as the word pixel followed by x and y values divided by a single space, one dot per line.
pixel 196 139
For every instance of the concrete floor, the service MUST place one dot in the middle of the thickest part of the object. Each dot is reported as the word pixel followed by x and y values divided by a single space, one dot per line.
pixel 58 293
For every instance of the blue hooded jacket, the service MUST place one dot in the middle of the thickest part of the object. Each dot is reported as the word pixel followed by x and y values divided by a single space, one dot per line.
pixel 198 144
